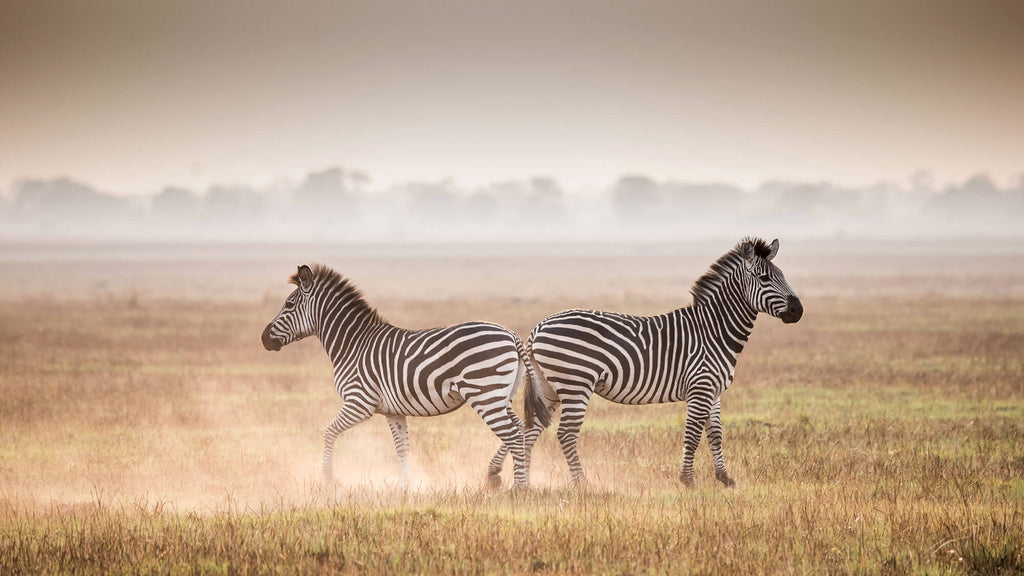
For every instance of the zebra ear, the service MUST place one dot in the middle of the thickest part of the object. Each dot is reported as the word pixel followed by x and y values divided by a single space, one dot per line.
pixel 747 250
pixel 773 249
pixel 305 277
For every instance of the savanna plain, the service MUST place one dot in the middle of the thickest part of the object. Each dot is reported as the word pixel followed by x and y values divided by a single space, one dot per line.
pixel 145 429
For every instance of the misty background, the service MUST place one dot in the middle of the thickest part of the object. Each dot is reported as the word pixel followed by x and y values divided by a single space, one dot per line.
pixel 528 121
pixel 344 205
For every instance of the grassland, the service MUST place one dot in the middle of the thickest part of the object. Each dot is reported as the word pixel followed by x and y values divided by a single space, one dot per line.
pixel 881 434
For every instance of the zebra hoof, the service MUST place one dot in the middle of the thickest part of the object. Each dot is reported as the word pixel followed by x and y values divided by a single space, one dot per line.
pixel 687 481
pixel 494 481
pixel 725 479
pixel 580 482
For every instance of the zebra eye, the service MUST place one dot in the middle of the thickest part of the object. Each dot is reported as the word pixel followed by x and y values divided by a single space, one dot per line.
pixel 289 304
pixel 765 277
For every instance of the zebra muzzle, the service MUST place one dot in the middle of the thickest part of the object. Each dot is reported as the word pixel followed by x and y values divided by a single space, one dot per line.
pixel 794 311
pixel 269 342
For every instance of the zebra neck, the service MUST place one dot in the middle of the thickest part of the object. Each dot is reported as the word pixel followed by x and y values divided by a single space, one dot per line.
pixel 732 318
pixel 343 324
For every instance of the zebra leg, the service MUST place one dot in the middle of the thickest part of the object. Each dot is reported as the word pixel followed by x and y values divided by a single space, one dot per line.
pixel 574 408
pixel 400 434
pixel 497 419
pixel 494 468
pixel 697 413
pixel 349 415
pixel 530 436
pixel 714 430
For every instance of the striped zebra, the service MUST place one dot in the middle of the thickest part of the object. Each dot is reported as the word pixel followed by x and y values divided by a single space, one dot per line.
pixel 687 355
pixel 382 369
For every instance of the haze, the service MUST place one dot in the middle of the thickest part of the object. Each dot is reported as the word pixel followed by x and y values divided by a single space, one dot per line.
pixel 131 97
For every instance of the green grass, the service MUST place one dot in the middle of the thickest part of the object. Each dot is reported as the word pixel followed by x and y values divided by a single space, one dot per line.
pixel 879 435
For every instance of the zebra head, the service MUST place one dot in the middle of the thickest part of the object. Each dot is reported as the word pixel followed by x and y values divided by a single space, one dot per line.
pixel 765 285
pixel 295 320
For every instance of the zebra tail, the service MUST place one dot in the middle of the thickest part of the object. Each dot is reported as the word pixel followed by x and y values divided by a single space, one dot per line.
pixel 535 404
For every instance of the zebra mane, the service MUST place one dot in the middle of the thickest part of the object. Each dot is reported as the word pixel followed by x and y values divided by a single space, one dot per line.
pixel 708 284
pixel 330 281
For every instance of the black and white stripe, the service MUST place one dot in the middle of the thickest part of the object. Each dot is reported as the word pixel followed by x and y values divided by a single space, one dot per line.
pixel 382 369
pixel 685 355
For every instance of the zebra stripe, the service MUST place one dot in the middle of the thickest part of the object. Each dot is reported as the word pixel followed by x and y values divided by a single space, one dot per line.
pixel 380 368
pixel 685 355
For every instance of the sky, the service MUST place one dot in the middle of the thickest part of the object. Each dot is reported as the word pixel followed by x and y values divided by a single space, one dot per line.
pixel 133 96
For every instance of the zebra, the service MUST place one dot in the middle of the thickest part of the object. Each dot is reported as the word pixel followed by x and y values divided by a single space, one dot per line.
pixel 688 354
pixel 380 368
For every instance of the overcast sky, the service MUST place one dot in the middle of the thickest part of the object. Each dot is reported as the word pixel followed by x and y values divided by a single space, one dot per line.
pixel 130 96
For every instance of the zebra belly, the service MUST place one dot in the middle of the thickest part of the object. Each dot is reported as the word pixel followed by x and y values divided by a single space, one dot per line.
pixel 444 397
pixel 702 378
pixel 431 410
pixel 639 394
pixel 642 394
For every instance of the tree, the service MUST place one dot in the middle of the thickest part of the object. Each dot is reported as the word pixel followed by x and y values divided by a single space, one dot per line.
pixel 63 205
pixel 175 205
pixel 637 197
pixel 331 189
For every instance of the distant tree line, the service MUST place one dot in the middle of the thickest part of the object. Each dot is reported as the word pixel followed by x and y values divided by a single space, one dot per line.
pixel 336 204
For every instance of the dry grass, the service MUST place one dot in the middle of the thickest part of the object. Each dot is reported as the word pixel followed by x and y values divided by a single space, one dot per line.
pixel 878 435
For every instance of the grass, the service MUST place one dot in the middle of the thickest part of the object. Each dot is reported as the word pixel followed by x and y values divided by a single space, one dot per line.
pixel 879 435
